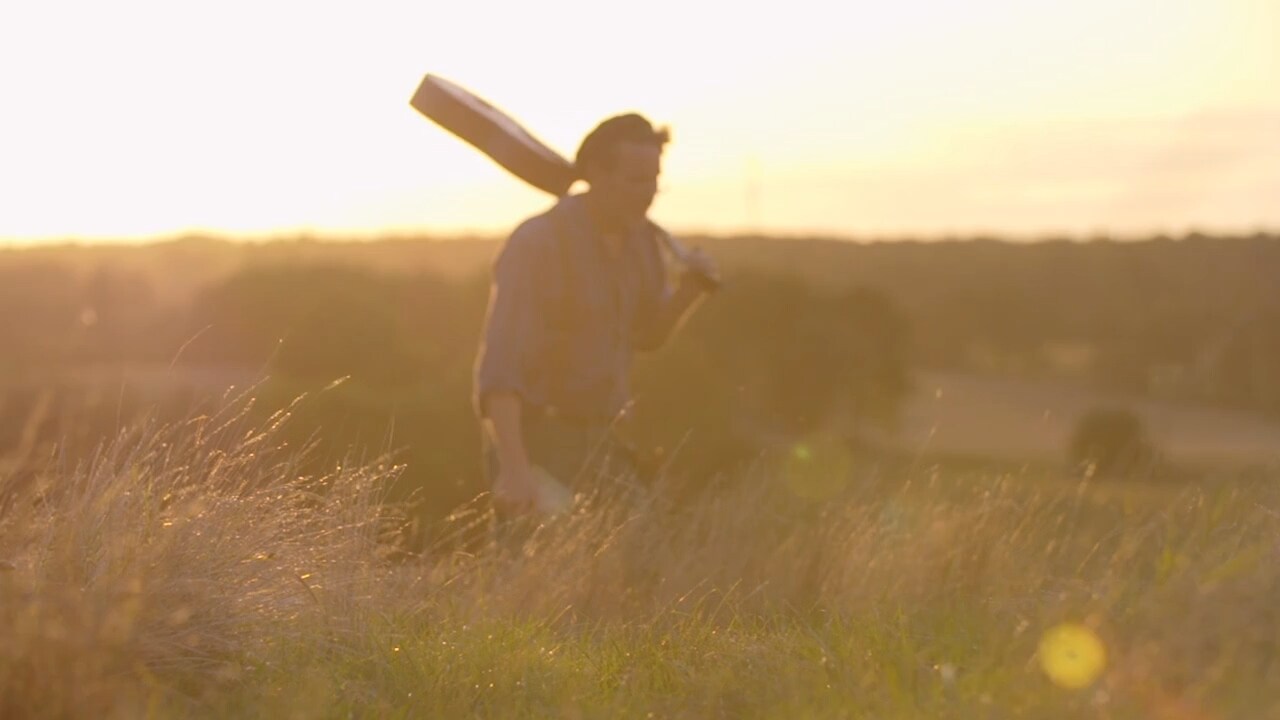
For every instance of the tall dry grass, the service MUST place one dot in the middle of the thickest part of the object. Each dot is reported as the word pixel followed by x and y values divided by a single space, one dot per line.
pixel 191 569
pixel 171 555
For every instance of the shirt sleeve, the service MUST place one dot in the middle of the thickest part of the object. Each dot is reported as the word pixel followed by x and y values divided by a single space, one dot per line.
pixel 514 322
pixel 656 292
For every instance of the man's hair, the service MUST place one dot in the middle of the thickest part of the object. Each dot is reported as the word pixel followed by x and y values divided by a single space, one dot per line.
pixel 600 146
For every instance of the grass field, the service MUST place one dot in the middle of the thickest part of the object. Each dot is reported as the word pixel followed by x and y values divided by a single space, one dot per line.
pixel 970 414
pixel 188 571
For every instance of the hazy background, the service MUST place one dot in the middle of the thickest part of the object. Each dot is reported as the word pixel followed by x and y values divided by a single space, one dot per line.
pixel 138 119
pixel 888 465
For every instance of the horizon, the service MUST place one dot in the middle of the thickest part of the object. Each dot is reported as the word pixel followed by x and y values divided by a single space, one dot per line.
pixel 1018 121
pixel 417 236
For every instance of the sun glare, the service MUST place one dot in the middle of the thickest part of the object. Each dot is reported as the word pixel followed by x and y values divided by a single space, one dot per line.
pixel 1072 656
pixel 144 118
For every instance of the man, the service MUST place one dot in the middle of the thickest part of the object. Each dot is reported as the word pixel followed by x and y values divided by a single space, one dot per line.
pixel 576 290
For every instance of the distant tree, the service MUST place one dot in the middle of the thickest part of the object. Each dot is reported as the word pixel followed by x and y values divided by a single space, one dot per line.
pixel 39 313
pixel 1245 367
pixel 306 322
pixel 776 359
pixel 118 318
pixel 1110 441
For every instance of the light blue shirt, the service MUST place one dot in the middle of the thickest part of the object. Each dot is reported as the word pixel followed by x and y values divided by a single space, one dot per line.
pixel 566 314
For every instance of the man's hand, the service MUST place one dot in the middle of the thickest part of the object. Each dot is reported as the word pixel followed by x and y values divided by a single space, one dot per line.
pixel 515 490
pixel 701 271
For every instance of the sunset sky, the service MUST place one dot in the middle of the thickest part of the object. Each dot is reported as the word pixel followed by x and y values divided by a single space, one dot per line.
pixel 142 120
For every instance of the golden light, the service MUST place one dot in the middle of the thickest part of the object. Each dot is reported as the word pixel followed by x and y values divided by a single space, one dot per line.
pixel 141 118
pixel 1072 656
pixel 818 468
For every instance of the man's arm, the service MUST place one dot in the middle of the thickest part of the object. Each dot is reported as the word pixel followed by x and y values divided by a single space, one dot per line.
pixel 677 305
pixel 514 487
pixel 676 308
pixel 512 337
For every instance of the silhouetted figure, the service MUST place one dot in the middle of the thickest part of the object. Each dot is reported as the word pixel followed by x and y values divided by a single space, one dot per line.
pixel 576 291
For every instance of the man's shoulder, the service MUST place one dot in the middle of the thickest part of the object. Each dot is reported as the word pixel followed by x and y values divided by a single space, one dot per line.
pixel 535 230
pixel 533 242
pixel 541 230
pixel 655 230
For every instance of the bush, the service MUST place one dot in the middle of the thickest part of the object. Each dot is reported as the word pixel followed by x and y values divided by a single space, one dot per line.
pixel 1110 441
pixel 772 359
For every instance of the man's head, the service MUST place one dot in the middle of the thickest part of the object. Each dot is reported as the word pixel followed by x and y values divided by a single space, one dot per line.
pixel 621 160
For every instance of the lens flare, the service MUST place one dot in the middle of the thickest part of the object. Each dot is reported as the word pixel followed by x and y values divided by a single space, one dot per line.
pixel 1072 656
pixel 819 468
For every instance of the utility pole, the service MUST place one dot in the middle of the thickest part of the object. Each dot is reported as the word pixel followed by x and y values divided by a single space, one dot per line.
pixel 752 187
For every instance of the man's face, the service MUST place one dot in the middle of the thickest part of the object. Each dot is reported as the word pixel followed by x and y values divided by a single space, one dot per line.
pixel 629 186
